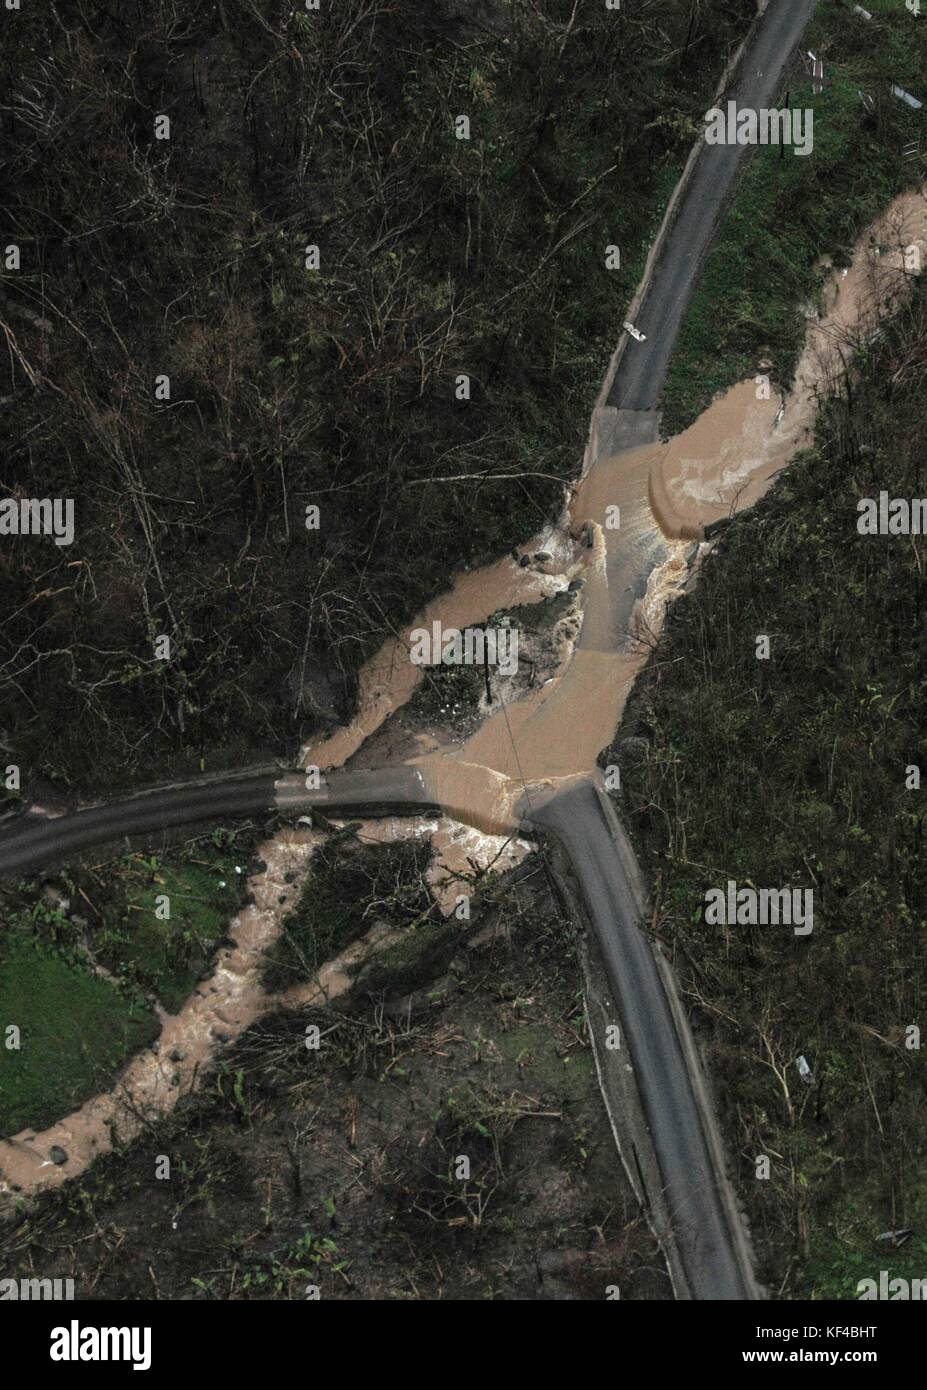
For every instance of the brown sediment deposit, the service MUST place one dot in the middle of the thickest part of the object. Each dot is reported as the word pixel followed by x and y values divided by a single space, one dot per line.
pixel 665 494
pixel 223 1006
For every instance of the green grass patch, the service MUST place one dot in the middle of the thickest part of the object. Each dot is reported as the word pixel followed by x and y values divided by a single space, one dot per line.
pixel 836 1268
pixel 565 1075
pixel 840 1256
pixel 78 1027
pixel 76 1032
pixel 789 211
pixel 165 955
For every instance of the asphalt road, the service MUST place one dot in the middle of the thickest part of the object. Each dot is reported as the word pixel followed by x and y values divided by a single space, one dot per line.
pixel 39 842
pixel 583 821
pixel 642 370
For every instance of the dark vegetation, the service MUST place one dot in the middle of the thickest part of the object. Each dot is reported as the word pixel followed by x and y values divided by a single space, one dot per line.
pixel 793 771
pixel 350 888
pixel 339 1168
pixel 291 387
pixel 788 213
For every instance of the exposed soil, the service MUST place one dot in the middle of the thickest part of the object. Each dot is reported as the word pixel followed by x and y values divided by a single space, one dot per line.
pixel 660 496
pixel 224 1005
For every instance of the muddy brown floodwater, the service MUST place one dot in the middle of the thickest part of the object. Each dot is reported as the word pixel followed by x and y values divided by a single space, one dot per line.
pixel 666 494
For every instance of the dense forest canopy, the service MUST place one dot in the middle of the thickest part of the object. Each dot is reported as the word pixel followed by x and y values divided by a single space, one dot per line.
pixel 143 258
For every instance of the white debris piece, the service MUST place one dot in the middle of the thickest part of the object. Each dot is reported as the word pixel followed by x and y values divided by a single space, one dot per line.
pixel 904 96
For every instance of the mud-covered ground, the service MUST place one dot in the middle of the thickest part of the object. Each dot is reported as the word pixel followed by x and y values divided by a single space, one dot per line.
pixel 342 1168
